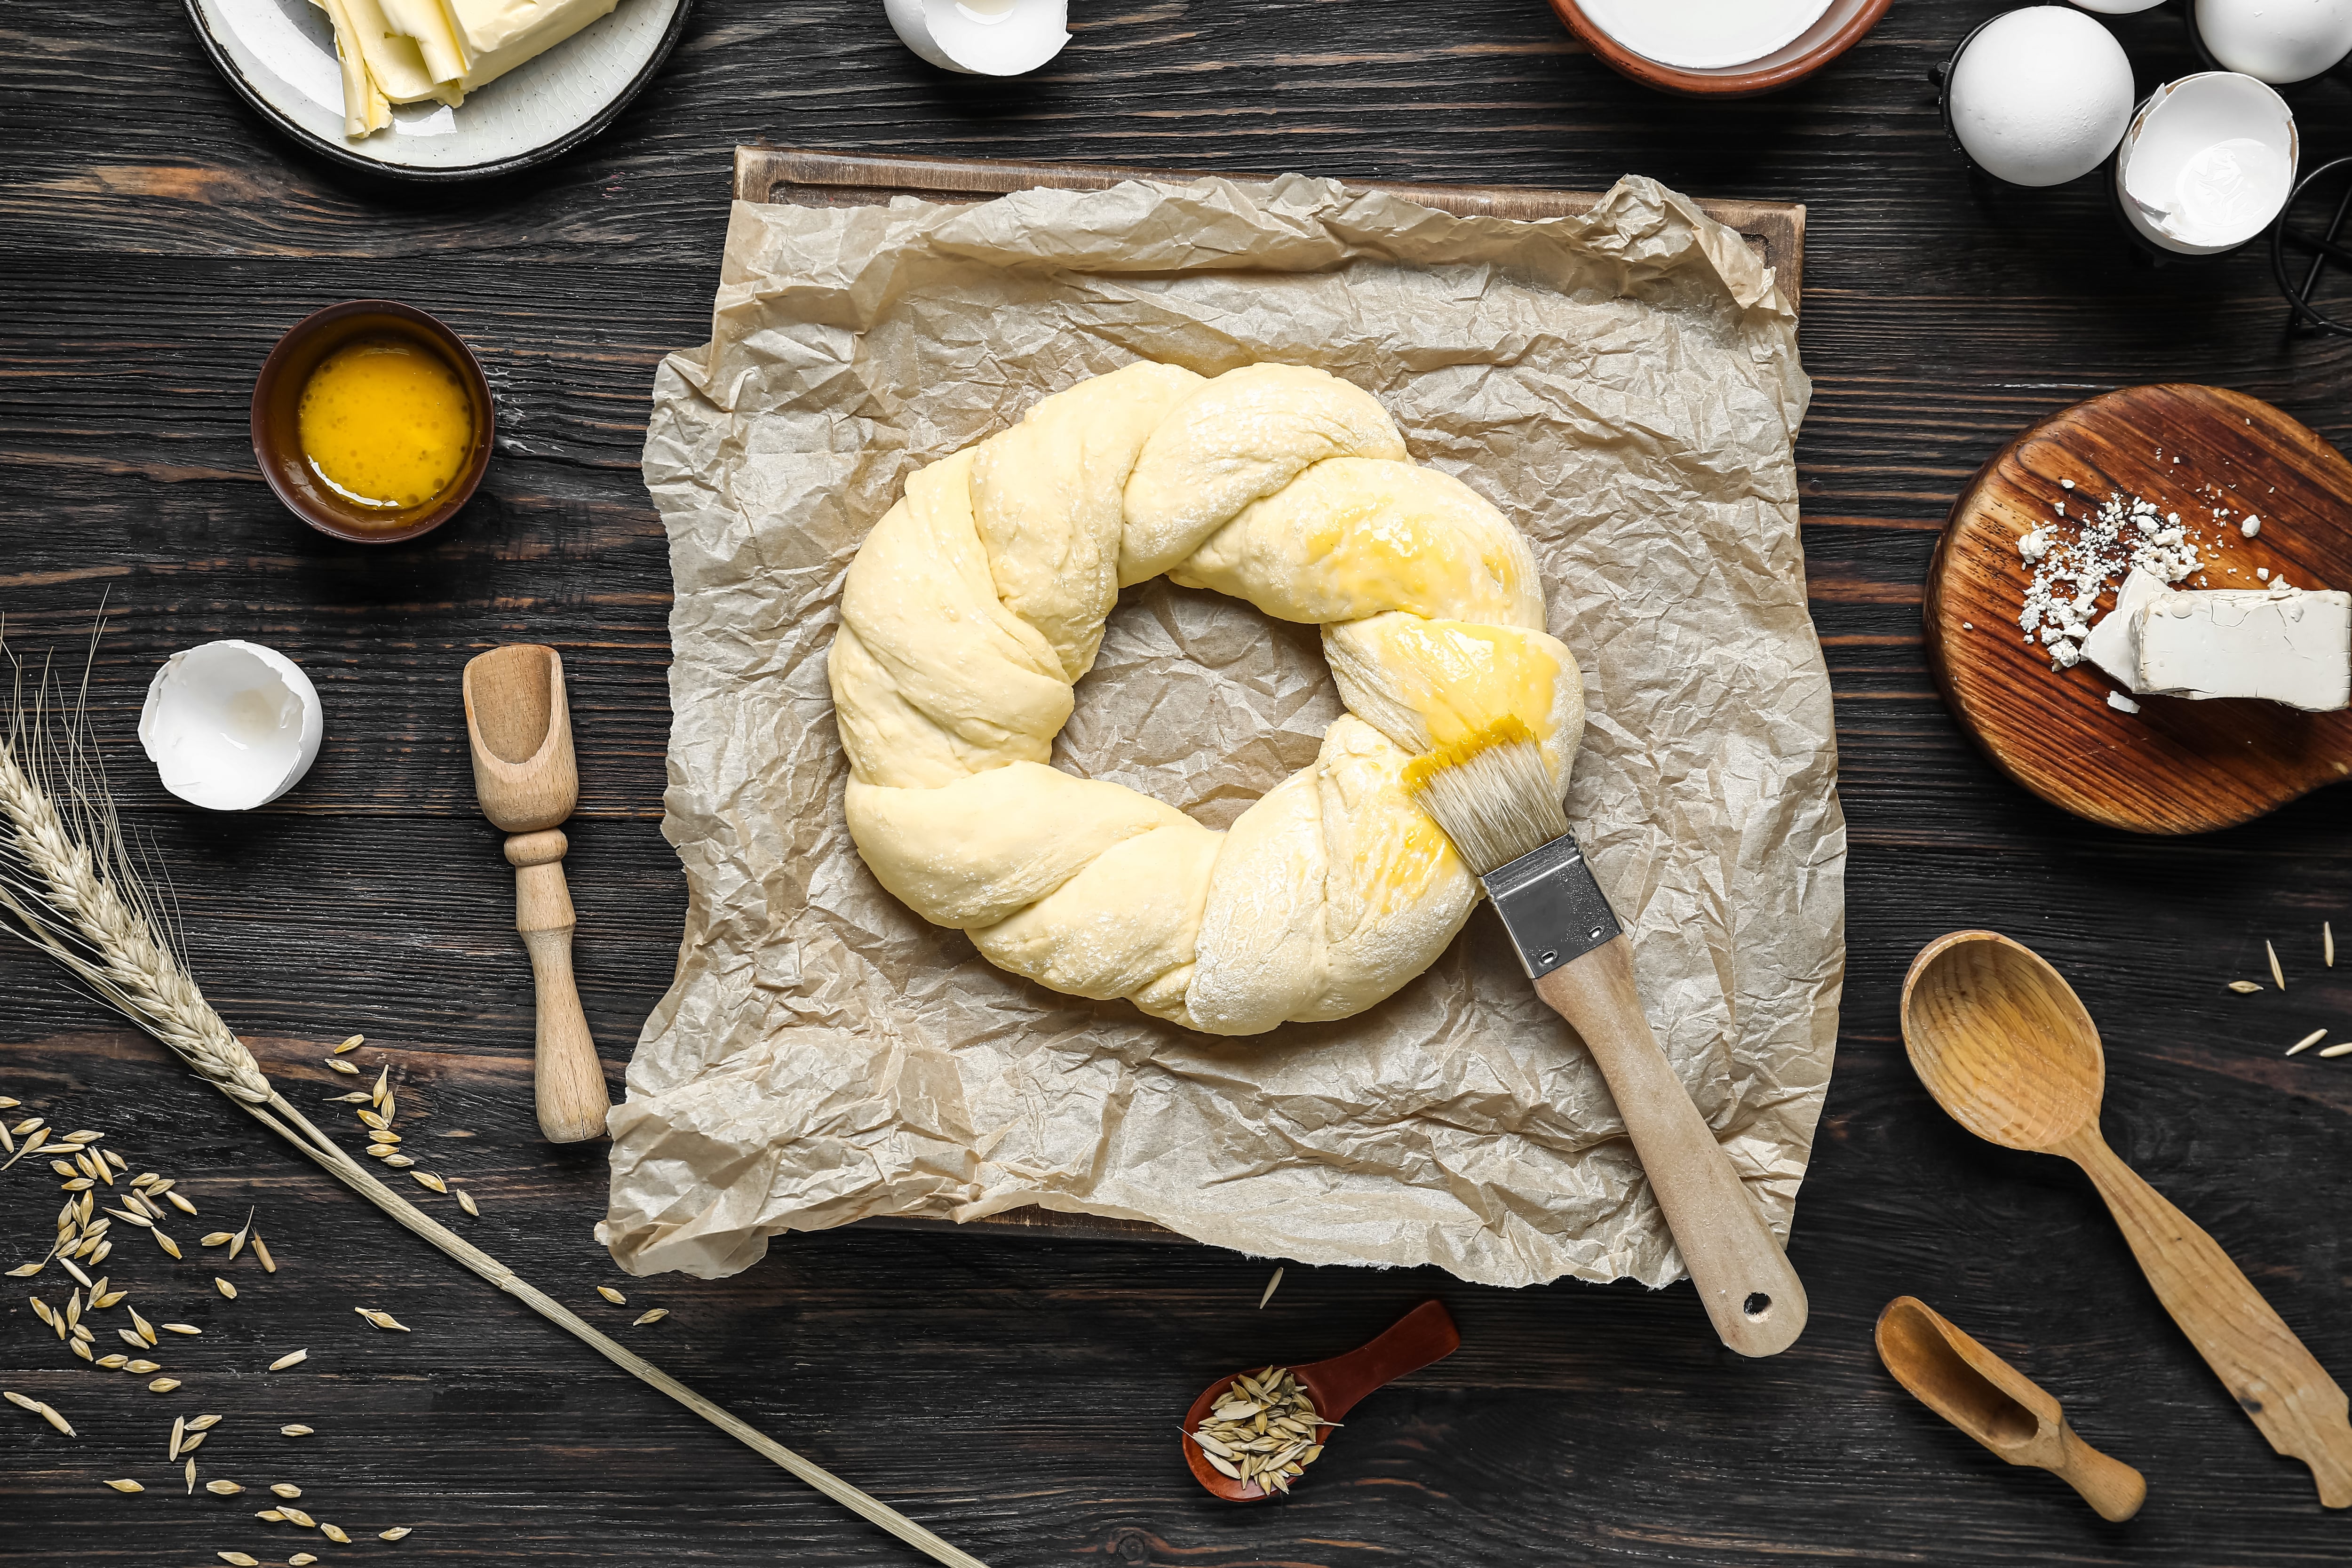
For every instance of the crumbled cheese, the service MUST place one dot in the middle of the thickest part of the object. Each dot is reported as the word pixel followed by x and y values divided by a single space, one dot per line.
pixel 2076 558
pixel 2251 526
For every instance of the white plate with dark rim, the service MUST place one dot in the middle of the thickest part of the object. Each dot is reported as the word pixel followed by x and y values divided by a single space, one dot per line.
pixel 280 55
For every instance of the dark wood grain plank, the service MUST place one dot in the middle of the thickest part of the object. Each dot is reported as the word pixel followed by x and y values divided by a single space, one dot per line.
pixel 1016 1392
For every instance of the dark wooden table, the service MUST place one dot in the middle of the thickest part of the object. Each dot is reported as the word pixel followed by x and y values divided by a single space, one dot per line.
pixel 1020 1395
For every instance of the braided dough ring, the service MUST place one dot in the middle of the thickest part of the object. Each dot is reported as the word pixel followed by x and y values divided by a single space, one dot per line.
pixel 978 602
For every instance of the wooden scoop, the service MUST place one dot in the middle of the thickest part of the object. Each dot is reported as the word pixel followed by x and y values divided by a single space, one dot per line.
pixel 2004 1045
pixel 1423 1335
pixel 527 782
pixel 1998 1405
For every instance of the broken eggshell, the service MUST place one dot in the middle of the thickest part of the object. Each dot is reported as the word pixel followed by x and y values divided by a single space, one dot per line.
pixel 982 37
pixel 231 725
pixel 2208 162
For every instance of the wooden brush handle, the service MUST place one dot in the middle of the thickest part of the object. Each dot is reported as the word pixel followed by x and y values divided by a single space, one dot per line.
pixel 2108 1485
pixel 571 1081
pixel 1725 1243
pixel 2274 1380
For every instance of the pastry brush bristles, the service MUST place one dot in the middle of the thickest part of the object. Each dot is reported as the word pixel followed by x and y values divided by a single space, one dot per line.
pixel 1491 792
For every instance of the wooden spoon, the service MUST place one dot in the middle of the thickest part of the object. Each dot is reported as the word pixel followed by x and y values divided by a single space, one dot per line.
pixel 1998 1405
pixel 520 728
pixel 2004 1045
pixel 1423 1335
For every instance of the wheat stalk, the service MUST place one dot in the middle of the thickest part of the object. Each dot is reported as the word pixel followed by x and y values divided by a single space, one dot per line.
pixel 69 888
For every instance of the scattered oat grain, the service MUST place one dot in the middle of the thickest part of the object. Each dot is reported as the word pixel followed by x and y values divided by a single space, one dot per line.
pixel 217 1238
pixel 1270 1285
pixel 181 1329
pixel 348 1047
pixel 612 1295
pixel 465 1202
pixel 223 1488
pixel 2277 974
pixel 225 1288
pixel 261 1255
pixel 342 1067
pixel 656 1316
pixel 334 1533
pixel 48 1412
pixel 393 1535
pixel 126 1485
pixel 2245 987
pixel 2308 1041
pixel 2337 1050
pixel 286 1490
pixel 294 1357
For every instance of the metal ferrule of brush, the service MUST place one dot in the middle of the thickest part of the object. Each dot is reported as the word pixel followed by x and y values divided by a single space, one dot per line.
pixel 1553 909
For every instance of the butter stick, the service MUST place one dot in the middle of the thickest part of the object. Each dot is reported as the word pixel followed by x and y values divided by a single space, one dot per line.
pixel 393 57
pixel 557 23
pixel 365 111
pixel 427 24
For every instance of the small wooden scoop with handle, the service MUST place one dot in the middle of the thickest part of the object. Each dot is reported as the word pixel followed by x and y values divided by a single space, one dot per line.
pixel 2001 1041
pixel 1999 1405
pixel 526 781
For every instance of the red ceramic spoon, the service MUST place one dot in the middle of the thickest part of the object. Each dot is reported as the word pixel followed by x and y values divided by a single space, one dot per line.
pixel 1423 1335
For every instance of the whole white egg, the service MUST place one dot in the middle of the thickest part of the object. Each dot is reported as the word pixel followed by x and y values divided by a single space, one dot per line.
pixel 2276 40
pixel 2041 96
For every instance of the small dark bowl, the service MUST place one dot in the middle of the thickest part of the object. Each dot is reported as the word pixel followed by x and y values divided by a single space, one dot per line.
pixel 1839 29
pixel 277 438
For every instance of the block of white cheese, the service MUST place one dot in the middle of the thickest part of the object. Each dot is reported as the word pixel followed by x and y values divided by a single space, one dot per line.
pixel 2289 645
pixel 2114 643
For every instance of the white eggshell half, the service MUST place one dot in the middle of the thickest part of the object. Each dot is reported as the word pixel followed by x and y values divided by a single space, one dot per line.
pixel 2208 162
pixel 982 37
pixel 2041 96
pixel 231 725
pixel 2276 40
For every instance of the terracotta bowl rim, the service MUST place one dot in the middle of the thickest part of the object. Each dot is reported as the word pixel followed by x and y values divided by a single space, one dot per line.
pixel 453 499
pixel 1730 81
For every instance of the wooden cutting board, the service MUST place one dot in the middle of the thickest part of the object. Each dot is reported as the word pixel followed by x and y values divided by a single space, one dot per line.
pixel 2177 765
pixel 1774 230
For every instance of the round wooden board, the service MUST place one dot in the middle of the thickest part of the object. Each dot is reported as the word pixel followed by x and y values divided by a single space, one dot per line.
pixel 2177 765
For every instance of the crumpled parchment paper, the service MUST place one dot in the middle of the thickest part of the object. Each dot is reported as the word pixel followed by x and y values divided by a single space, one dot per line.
pixel 1624 385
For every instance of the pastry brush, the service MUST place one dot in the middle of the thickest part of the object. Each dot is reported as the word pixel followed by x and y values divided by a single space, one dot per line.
pixel 1495 798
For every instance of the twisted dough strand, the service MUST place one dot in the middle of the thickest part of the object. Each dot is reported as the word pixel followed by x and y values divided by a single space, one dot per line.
pixel 979 600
